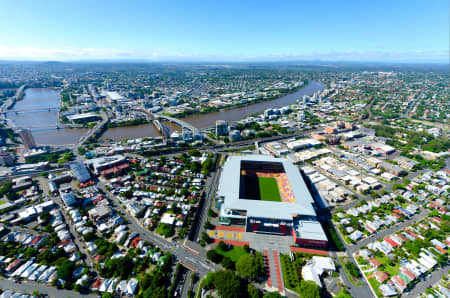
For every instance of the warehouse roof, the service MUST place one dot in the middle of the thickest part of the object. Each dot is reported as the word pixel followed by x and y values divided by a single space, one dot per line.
pixel 83 116
pixel 80 171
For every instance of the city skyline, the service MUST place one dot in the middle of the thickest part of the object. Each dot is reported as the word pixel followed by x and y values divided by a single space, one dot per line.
pixel 385 31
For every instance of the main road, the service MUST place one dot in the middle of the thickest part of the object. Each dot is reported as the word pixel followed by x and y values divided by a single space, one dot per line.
pixel 210 187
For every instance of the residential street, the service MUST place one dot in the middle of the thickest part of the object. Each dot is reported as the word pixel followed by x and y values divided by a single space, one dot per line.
pixel 30 287
pixel 194 260
pixel 364 289
pixel 76 237
pixel 430 281
pixel 383 233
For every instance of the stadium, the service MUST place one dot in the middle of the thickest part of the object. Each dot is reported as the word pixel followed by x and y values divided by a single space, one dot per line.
pixel 268 195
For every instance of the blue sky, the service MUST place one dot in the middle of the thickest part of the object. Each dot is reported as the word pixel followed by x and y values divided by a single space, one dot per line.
pixel 391 30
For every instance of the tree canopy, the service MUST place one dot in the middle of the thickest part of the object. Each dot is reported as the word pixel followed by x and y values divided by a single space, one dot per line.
pixel 250 266
pixel 309 289
pixel 227 284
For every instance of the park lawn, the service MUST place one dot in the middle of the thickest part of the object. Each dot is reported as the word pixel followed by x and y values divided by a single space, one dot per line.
pixel 2 202
pixel 268 189
pixel 234 254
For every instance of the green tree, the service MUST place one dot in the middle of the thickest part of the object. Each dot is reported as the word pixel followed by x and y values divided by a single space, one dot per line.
pixel 30 252
pixel 352 269
pixel 45 216
pixel 211 213
pixel 246 247
pixel 343 294
pixel 158 292
pixel 222 246
pixel 227 263
pixel 253 291
pixel 81 150
pixel 227 284
pixel 273 295
pixel 213 256
pixel 194 152
pixel 250 266
pixel 127 194
pixel 309 289
pixel 165 230
pixel 206 238
pixel 121 267
pixel 65 271
pixel 208 225
pixel 195 167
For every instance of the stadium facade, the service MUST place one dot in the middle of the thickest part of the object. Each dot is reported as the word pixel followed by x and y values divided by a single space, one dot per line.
pixel 242 203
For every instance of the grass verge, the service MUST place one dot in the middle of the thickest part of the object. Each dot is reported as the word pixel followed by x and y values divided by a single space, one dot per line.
pixel 356 283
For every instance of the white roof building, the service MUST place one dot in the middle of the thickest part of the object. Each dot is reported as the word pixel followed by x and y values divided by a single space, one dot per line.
pixel 356 235
pixel 315 267
pixel 168 218
pixel 131 286
pixel 121 287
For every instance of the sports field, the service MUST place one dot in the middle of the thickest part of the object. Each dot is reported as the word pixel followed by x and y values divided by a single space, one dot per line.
pixel 268 189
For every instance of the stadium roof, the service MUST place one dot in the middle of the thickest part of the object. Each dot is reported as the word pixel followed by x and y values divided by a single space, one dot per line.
pixel 229 189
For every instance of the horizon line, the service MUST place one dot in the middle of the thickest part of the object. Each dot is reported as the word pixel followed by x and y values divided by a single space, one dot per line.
pixel 235 61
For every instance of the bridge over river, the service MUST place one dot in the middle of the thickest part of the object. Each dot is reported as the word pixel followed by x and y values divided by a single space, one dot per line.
pixel 31 110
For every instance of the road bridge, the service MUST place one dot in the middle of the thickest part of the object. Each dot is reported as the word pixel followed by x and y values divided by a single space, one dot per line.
pixel 161 128
pixel 178 122
pixel 164 130
pixel 93 131
pixel 32 110
pixel 185 125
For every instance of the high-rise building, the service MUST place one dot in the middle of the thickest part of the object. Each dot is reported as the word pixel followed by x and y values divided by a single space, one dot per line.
pixel 221 128
pixel 27 139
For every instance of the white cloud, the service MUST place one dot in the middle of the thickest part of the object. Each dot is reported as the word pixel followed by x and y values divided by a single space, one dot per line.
pixel 63 54
pixel 377 55
pixel 29 53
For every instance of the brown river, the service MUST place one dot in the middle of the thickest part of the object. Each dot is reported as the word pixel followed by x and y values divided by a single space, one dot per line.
pixel 38 112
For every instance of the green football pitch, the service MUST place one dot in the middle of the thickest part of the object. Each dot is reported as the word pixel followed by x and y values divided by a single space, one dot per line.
pixel 268 189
